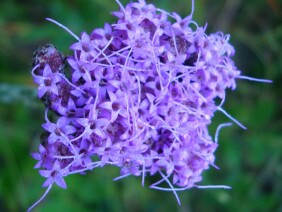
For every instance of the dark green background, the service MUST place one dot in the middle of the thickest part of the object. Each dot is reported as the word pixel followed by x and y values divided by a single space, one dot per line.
pixel 250 161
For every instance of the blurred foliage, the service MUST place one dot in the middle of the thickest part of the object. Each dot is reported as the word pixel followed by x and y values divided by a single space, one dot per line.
pixel 250 161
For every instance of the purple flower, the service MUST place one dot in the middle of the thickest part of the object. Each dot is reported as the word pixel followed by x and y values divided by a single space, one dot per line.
pixel 53 175
pixel 140 96
pixel 93 126
pixel 116 105
pixel 80 69
pixel 43 157
pixel 60 131
pixel 47 82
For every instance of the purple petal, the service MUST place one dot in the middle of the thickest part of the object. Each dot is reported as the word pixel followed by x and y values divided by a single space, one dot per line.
pixel 53 138
pixel 71 104
pixel 101 122
pixel 38 165
pixel 106 105
pixel 47 71
pixel 69 130
pixel 50 127
pixel 82 121
pixel 45 173
pixel 76 76
pixel 47 182
pixel 42 149
pixel 36 156
pixel 114 83
pixel 39 80
pixel 98 132
pixel 59 180
pixel 76 46
pixel 62 122
pixel 42 90
pixel 54 90
pixel 56 78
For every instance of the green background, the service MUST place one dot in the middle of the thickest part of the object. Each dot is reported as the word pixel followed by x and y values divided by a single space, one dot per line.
pixel 250 161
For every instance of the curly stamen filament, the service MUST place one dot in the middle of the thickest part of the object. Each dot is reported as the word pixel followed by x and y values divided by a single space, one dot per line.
pixel 230 117
pixel 171 186
pixel 255 79
pixel 72 85
pixel 121 177
pixel 212 186
pixel 64 27
pixel 33 69
pixel 41 198
pixel 196 186
pixel 219 128
pixel 102 52
pixel 82 134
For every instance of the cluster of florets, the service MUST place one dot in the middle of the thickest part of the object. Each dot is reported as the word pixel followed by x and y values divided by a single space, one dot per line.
pixel 138 94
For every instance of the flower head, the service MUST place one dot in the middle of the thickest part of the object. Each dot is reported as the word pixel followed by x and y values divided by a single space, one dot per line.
pixel 140 96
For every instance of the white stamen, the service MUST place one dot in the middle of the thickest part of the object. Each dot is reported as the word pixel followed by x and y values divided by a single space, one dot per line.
pixel 121 177
pixel 230 117
pixel 64 27
pixel 219 128
pixel 121 7
pixel 41 198
pixel 213 186
pixel 255 79
pixel 72 85
pixel 171 186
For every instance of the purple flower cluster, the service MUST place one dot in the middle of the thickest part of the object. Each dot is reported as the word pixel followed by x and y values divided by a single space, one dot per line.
pixel 138 94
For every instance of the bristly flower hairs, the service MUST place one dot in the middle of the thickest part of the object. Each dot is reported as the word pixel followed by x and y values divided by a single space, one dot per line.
pixel 138 94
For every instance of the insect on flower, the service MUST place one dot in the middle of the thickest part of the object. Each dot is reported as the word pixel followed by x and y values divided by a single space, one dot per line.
pixel 48 54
